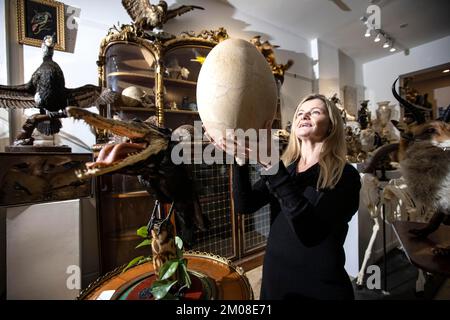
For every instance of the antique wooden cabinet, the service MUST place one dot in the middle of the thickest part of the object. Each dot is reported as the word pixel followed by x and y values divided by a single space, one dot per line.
pixel 163 72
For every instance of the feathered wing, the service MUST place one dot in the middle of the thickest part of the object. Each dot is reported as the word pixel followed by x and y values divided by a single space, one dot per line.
pixel 107 96
pixel 20 96
pixel 83 97
pixel 136 7
pixel 181 10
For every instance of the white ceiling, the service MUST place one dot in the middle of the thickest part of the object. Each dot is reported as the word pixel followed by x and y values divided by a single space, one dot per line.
pixel 426 21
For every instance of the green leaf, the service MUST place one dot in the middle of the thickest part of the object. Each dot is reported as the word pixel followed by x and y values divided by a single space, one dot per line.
pixel 164 268
pixel 167 272
pixel 133 262
pixel 149 258
pixel 146 242
pixel 142 232
pixel 179 242
pixel 179 254
pixel 160 288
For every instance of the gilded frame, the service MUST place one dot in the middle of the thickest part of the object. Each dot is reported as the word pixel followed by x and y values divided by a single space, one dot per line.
pixel 53 14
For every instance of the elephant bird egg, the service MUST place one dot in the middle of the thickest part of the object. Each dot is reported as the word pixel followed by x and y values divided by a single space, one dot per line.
pixel 236 89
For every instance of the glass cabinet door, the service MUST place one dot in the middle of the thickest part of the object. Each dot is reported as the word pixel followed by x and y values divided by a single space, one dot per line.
pixel 182 66
pixel 129 65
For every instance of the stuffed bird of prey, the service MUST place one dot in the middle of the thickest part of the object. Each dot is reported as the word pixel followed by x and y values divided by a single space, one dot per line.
pixel 46 91
pixel 147 16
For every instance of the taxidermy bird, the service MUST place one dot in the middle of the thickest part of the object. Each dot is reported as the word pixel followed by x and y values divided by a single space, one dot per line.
pixel 147 16
pixel 46 91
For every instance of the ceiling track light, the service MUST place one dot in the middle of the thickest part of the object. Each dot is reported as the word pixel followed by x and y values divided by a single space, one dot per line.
pixel 388 42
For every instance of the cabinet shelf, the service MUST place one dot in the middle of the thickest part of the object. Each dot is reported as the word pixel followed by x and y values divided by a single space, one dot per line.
pixel 133 75
pixel 180 81
pixel 137 109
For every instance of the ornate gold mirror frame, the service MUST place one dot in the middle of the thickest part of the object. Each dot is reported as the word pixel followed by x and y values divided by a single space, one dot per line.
pixel 157 47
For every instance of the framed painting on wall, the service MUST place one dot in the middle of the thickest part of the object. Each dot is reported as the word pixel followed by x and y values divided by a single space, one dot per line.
pixel 39 18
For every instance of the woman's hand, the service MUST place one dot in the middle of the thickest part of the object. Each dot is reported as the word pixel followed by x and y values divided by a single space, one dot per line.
pixel 246 150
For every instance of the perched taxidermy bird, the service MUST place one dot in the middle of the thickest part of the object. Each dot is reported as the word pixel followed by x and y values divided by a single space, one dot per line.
pixel 46 91
pixel 424 157
pixel 148 16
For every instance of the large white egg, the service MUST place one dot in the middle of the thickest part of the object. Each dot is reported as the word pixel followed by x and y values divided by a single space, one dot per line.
pixel 235 89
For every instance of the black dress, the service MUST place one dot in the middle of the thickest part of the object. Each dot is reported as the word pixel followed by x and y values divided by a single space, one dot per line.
pixel 304 255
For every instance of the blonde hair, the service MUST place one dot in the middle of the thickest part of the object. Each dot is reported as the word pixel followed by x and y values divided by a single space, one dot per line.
pixel 332 158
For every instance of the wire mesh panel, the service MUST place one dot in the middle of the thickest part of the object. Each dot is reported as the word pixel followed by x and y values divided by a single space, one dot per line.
pixel 256 226
pixel 213 187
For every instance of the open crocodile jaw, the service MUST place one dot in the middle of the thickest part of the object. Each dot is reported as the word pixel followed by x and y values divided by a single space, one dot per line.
pixel 113 157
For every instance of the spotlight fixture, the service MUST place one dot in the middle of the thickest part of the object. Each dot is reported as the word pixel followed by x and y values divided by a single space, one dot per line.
pixel 446 71
pixel 367 34
pixel 377 38
pixel 386 44
pixel 392 49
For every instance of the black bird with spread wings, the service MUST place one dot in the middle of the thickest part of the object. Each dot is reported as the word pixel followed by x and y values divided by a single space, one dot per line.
pixel 46 91
pixel 147 16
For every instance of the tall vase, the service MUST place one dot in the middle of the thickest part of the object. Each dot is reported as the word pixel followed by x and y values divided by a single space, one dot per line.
pixel 384 113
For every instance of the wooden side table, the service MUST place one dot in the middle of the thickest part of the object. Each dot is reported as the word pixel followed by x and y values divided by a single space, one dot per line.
pixel 418 250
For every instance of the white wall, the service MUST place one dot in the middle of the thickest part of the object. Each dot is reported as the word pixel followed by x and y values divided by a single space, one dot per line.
pixel 4 140
pixel 4 130
pixel 328 69
pixel 336 71
pixel 351 75
pixel 38 257
pixel 380 74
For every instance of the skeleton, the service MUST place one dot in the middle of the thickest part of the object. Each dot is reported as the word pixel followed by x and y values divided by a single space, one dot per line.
pixel 398 206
